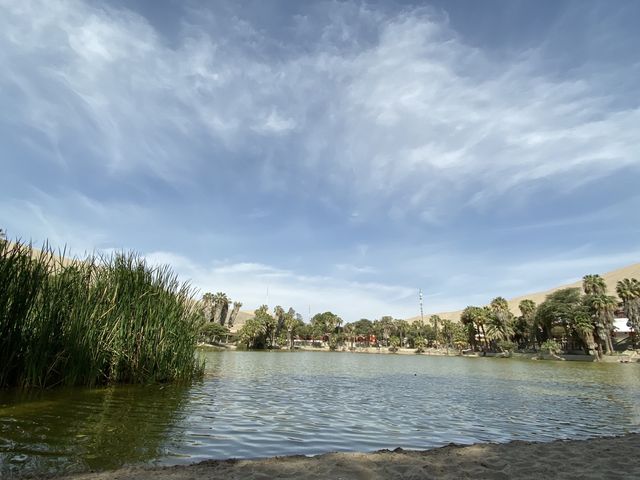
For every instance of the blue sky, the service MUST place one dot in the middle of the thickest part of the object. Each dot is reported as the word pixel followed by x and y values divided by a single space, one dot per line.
pixel 340 154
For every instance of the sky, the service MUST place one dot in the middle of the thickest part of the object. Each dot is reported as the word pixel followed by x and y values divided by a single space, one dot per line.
pixel 328 155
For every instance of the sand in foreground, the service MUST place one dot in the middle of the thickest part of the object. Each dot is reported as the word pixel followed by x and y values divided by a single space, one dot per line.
pixel 610 458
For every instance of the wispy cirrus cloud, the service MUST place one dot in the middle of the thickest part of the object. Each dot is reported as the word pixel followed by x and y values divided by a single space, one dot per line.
pixel 336 145
pixel 413 120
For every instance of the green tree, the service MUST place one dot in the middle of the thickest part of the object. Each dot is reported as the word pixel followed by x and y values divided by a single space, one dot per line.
pixel 350 332
pixel 325 323
pixel 582 326
pixel 292 324
pixel 269 322
pixel 364 328
pixel 594 285
pixel 436 321
pixel 447 331
pixel 278 314
pixel 401 327
pixel 394 342
pixel 220 307
pixel 603 308
pixel 500 320
pixel 525 325
pixel 476 316
pixel 253 333
pixel 234 313
pixel 417 329
pixel 628 289
pixel 211 332
pixel 527 309
pixel 558 309
pixel 207 306
pixel 387 328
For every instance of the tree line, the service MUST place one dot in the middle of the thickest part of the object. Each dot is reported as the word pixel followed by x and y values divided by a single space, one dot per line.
pixel 581 320
pixel 568 319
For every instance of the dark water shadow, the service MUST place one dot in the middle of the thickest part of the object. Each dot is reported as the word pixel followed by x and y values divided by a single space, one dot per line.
pixel 78 429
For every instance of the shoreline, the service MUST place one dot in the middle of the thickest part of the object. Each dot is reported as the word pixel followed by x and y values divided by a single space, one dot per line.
pixel 626 358
pixel 596 458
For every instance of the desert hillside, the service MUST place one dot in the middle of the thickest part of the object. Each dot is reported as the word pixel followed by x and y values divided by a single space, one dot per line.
pixel 611 278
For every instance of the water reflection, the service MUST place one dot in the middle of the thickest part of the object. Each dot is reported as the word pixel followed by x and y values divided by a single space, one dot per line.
pixel 256 404
pixel 75 430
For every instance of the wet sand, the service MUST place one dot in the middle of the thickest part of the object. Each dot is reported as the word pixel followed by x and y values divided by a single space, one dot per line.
pixel 603 458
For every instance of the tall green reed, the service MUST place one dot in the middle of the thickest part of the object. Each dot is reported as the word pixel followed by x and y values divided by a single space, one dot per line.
pixel 110 319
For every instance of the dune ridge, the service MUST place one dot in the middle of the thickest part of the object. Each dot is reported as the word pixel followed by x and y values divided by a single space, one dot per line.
pixel 611 279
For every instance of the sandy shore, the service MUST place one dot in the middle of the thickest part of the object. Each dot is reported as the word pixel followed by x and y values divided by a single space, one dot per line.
pixel 385 351
pixel 610 458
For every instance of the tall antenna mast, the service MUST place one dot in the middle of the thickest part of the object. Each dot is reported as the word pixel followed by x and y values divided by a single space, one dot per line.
pixel 421 311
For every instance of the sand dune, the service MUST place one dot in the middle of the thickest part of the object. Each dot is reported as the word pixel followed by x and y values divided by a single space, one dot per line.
pixel 613 457
pixel 611 278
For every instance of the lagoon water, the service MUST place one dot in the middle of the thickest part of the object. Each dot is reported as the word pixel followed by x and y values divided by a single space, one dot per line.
pixel 257 404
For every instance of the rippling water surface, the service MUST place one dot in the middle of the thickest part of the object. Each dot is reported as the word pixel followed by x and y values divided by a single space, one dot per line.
pixel 256 404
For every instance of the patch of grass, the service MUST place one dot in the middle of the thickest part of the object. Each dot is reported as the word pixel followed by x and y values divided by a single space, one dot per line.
pixel 95 321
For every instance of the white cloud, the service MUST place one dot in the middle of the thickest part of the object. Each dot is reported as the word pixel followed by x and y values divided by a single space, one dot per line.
pixel 275 123
pixel 412 122
pixel 355 269
pixel 249 282
pixel 405 122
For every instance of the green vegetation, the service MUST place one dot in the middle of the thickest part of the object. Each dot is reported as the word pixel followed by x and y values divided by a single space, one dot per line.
pixel 629 292
pixel 97 321
pixel 215 308
pixel 212 333
pixel 270 331
pixel 568 320
pixel 571 320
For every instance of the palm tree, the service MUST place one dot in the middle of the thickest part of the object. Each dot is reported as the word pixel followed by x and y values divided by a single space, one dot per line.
pixel 221 305
pixel 278 314
pixel 499 304
pixel 603 307
pixel 224 310
pixel 500 319
pixel 268 323
pixel 594 285
pixel 476 316
pixel 629 292
pixel 207 306
pixel 253 332
pixel 401 327
pixel 291 322
pixel 416 329
pixel 387 326
pixel 364 327
pixel 527 308
pixel 527 320
pixel 234 313
pixel 435 321
pixel 447 334
pixel 583 327
pixel 349 330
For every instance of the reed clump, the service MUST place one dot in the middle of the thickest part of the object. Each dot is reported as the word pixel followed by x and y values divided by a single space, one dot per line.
pixel 100 320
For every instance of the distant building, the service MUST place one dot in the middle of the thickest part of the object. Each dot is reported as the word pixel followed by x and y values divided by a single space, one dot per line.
pixel 621 330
